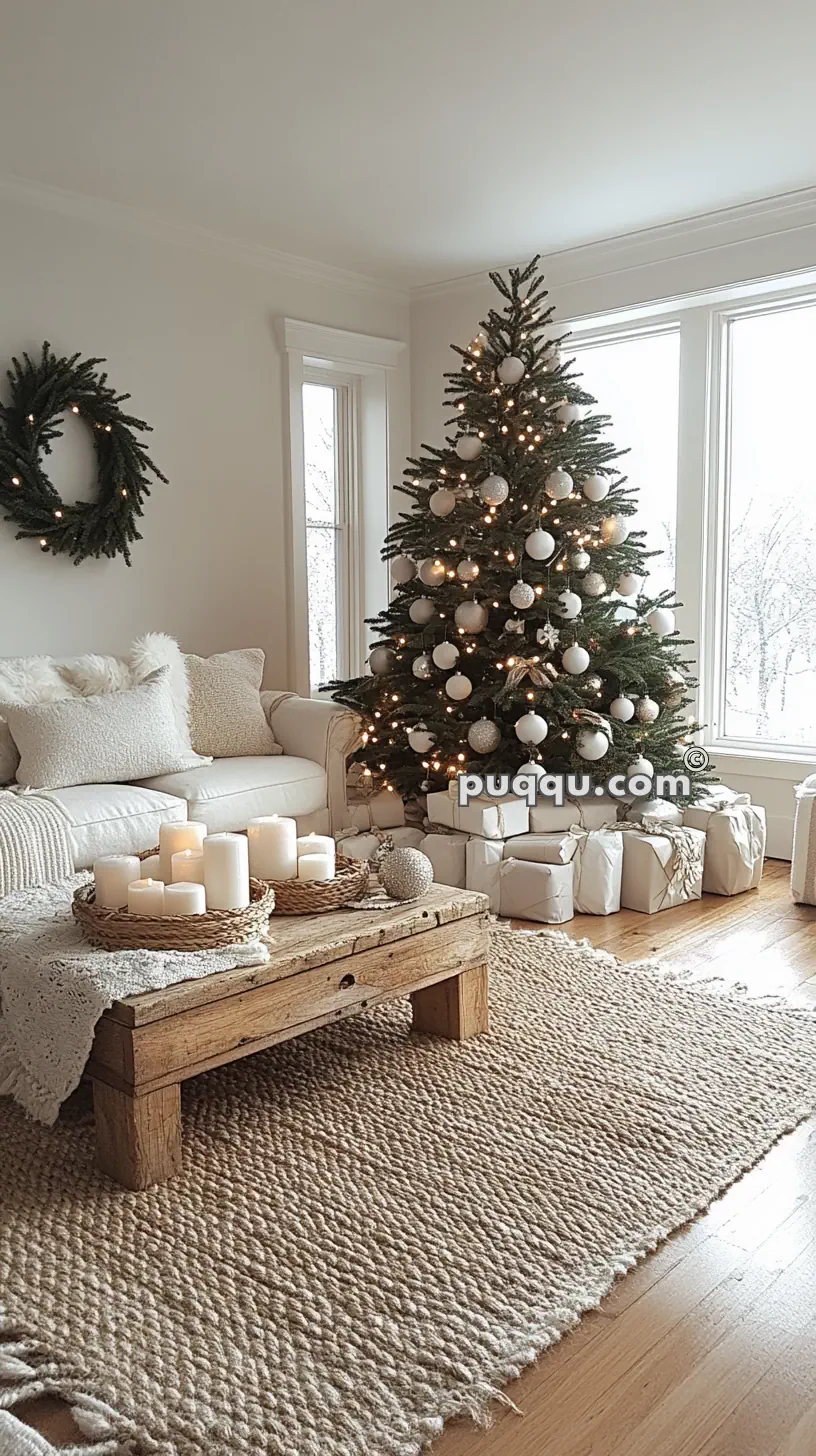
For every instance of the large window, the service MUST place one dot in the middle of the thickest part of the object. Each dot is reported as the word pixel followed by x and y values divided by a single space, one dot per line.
pixel 329 526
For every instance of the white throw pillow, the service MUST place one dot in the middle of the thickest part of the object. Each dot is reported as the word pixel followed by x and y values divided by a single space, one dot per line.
pixel 108 738
pixel 25 680
pixel 94 674
pixel 227 717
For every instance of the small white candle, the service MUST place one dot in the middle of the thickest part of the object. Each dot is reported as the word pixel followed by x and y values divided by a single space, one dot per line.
pixel 146 897
pixel 175 837
pixel 149 868
pixel 272 848
pixel 226 871
pixel 184 898
pixel 187 867
pixel 316 867
pixel 112 875
pixel 315 844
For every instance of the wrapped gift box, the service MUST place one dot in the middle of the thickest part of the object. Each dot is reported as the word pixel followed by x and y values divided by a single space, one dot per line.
pixel 598 872
pixel 661 870
pixel 735 845
pixel 491 818
pixel 359 846
pixel 483 859
pixel 588 813
pixel 803 868
pixel 447 855
pixel 655 811
pixel 376 811
pixel 542 848
pixel 531 891
pixel 408 838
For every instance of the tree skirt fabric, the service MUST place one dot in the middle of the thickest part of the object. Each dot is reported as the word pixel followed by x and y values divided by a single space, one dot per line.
pixel 374 1231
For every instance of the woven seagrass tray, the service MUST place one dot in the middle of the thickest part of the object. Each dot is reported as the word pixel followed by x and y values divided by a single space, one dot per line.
pixel 117 930
pixel 314 897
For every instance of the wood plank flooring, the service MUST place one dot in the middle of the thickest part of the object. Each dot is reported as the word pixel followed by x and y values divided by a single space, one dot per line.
pixel 708 1348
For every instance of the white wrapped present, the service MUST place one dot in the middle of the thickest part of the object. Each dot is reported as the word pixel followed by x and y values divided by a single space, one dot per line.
pixel 735 845
pixel 661 870
pixel 491 818
pixel 655 811
pixel 483 858
pixel 447 855
pixel 408 838
pixel 803 868
pixel 557 848
pixel 588 813
pixel 598 868
pixel 530 891
pixel 719 796
pixel 359 846
pixel 376 811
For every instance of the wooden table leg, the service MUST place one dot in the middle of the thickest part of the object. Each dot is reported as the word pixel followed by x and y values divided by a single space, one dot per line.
pixel 456 1008
pixel 138 1139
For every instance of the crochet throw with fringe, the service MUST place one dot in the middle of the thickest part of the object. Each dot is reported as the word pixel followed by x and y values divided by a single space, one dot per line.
pixel 374 1232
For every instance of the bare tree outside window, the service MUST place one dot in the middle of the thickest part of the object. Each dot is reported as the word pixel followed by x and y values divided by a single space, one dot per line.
pixel 322 530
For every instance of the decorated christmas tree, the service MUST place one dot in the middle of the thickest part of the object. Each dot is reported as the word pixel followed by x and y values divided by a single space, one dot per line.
pixel 521 627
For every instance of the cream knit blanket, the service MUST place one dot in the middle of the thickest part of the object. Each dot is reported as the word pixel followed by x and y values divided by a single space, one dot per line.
pixel 54 987
pixel 35 843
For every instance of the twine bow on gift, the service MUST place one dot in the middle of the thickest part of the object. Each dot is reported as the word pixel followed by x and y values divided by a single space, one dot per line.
pixel 685 864
pixel 541 674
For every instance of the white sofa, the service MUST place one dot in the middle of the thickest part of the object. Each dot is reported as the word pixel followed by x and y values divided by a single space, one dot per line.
pixel 306 782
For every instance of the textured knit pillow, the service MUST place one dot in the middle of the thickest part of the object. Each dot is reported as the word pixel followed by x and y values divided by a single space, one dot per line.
pixel 111 738
pixel 227 718
pixel 25 680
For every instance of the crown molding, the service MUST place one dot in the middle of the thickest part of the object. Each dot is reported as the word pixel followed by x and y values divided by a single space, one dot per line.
pixel 204 240
pixel 704 233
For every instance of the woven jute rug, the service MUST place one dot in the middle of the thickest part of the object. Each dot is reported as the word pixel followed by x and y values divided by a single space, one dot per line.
pixel 375 1232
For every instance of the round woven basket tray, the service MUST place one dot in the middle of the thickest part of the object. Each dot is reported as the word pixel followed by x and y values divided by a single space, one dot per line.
pixel 314 897
pixel 117 930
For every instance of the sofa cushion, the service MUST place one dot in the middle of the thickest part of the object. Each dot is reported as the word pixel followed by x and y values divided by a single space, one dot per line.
pixel 114 818
pixel 226 794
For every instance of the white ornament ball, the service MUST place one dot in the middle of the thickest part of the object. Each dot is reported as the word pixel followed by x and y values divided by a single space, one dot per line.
pixel 469 447
pixel 575 659
pixel 640 766
pixel 405 874
pixel 568 605
pixel 445 655
pixel 381 660
pixel 467 570
pixel 531 728
pixel 593 584
pixel 403 570
pixel 558 484
pixel 647 710
pixel 629 584
pixel 614 531
pixel 432 571
pixel 471 615
pixel 522 595
pixel 536 769
pixel 421 666
pixel 511 370
pixel 622 708
pixel 484 736
pixel 421 611
pixel 591 744
pixel 493 490
pixel 458 687
pixel 661 621
pixel 442 502
pixel 569 414
pixel 513 624
pixel 579 560
pixel 420 739
pixel 540 545
pixel 595 487
pixel 676 684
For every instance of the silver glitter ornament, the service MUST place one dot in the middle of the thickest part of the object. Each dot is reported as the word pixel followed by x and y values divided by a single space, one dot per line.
pixel 405 874
pixel 484 736
pixel 579 560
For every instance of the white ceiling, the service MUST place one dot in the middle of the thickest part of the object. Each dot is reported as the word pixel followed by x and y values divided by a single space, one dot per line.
pixel 411 140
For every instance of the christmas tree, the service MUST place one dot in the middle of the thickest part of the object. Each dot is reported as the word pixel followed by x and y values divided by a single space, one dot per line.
pixel 520 628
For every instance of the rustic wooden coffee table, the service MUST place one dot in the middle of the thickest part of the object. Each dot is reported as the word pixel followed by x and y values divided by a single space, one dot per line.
pixel 321 968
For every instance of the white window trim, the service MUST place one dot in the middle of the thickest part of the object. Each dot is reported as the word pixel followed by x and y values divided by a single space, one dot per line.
pixel 702 521
pixel 376 368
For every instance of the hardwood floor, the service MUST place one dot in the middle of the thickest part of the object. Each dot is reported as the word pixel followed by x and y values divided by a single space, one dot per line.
pixel 708 1348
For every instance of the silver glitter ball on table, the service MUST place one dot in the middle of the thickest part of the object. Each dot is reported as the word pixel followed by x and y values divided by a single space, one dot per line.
pixel 405 874
pixel 484 736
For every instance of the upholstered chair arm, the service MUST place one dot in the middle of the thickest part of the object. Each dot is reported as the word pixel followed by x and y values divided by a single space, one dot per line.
pixel 319 730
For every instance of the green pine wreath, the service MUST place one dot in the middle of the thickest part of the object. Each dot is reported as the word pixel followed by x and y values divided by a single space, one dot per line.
pixel 41 395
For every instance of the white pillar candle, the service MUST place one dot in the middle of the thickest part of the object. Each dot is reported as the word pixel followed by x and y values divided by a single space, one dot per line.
pixel 184 898
pixel 316 844
pixel 316 867
pixel 146 897
pixel 174 837
pixel 149 868
pixel 112 875
pixel 187 867
pixel 226 871
pixel 272 848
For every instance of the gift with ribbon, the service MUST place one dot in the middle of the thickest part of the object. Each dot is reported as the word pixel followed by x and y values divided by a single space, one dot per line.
pixel 662 869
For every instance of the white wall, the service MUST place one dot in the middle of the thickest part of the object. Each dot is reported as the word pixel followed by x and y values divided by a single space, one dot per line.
pixel 191 336
pixel 759 241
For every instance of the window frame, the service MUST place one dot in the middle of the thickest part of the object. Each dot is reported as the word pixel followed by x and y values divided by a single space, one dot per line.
pixel 349 606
